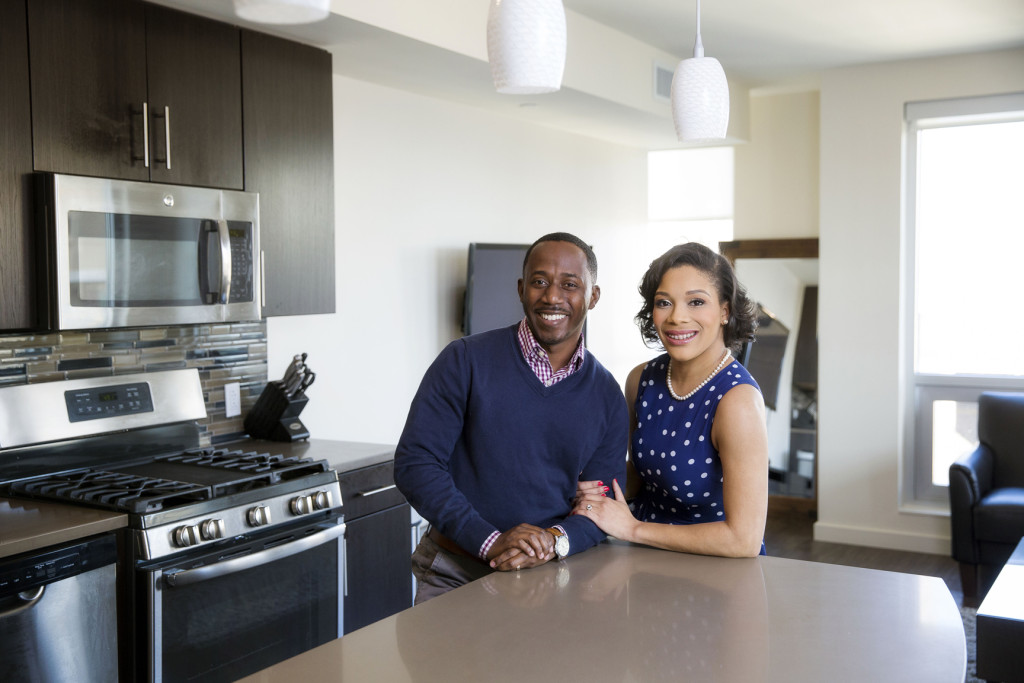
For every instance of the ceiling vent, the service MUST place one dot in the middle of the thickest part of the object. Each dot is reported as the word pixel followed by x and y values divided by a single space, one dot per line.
pixel 662 82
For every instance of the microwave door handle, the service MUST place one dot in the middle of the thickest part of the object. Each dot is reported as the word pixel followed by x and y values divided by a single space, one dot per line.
pixel 225 261
pixel 191 576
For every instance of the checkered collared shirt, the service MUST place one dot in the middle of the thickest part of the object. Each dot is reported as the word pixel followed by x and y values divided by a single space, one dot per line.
pixel 537 358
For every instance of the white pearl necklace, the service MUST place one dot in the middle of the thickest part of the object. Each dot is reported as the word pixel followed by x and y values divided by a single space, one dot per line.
pixel 668 378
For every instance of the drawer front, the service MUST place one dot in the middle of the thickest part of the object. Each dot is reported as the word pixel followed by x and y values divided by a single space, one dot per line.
pixel 369 489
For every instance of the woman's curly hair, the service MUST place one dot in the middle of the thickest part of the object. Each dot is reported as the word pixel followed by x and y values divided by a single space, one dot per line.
pixel 742 311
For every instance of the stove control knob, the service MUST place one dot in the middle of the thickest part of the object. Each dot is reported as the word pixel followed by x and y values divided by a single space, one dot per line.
pixel 302 505
pixel 185 536
pixel 259 515
pixel 321 500
pixel 212 529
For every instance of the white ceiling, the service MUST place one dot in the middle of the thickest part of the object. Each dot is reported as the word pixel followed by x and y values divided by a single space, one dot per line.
pixel 766 44
pixel 769 42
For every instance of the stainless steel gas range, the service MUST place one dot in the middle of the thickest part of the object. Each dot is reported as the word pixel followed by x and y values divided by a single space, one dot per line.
pixel 233 559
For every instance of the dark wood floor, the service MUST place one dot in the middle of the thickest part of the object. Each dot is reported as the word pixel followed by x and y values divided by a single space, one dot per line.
pixel 789 533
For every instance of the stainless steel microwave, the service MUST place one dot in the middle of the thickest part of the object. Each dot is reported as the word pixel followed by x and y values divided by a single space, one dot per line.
pixel 118 253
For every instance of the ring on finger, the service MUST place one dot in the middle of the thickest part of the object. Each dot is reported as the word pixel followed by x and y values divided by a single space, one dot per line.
pixel 589 506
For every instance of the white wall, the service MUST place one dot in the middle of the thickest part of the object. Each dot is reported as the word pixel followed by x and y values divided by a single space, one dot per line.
pixel 860 423
pixel 417 180
pixel 777 171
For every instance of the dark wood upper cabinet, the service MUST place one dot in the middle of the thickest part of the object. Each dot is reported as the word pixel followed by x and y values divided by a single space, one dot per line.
pixel 16 249
pixel 289 159
pixel 88 65
pixel 97 65
pixel 195 83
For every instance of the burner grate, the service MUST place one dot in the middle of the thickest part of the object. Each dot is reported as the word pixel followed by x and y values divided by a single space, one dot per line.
pixel 170 481
pixel 128 492
pixel 278 467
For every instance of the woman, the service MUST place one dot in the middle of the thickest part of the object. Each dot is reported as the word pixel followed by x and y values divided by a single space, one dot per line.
pixel 698 443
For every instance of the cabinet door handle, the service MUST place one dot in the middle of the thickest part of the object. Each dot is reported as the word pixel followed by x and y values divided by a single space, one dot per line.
pixel 145 134
pixel 167 136
pixel 373 492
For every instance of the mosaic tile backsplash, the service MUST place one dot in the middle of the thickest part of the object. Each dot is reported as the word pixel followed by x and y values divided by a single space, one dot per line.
pixel 223 353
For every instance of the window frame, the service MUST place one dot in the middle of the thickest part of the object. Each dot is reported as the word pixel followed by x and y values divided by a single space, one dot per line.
pixel 917 492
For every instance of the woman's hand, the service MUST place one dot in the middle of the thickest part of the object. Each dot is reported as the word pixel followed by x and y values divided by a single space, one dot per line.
pixel 584 488
pixel 612 516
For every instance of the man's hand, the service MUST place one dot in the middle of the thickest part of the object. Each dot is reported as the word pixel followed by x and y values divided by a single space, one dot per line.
pixel 521 547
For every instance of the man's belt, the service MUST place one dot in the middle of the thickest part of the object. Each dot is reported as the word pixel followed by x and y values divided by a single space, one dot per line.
pixel 448 544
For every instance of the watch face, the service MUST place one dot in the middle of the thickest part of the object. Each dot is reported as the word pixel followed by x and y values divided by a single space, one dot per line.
pixel 562 545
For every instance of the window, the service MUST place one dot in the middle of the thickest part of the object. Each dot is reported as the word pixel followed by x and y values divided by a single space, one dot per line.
pixel 964 233
pixel 689 198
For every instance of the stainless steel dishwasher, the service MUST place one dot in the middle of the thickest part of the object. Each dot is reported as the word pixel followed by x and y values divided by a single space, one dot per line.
pixel 58 613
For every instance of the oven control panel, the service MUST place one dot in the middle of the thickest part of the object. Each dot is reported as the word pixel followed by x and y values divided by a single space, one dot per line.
pixel 93 403
pixel 262 513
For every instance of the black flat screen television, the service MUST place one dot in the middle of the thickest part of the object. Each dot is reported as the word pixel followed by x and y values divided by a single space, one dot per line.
pixel 492 300
pixel 764 356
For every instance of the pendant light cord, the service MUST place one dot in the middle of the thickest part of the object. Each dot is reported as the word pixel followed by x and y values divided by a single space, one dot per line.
pixel 698 47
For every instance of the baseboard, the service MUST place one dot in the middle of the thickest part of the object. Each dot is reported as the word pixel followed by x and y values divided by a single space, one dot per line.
pixel 875 538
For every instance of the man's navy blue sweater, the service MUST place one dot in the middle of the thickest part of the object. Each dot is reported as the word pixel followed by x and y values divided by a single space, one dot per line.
pixel 487 446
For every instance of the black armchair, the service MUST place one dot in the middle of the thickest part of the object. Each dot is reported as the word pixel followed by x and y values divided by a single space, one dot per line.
pixel 986 493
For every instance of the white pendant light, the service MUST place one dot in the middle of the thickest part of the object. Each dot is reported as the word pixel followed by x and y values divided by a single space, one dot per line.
pixel 526 45
pixel 700 96
pixel 282 11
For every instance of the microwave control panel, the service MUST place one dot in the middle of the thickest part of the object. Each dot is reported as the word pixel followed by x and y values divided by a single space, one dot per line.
pixel 109 401
pixel 242 266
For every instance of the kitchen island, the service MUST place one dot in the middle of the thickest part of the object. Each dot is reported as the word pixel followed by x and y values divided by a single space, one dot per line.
pixel 620 612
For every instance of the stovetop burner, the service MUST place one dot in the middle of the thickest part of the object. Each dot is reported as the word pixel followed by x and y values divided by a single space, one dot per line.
pixel 171 480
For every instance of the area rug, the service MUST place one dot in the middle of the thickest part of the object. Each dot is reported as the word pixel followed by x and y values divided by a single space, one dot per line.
pixel 969 615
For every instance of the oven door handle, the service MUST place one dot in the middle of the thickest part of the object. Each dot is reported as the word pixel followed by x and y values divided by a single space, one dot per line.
pixel 188 577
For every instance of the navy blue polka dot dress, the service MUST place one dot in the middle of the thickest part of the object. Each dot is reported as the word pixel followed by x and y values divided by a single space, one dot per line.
pixel 672 451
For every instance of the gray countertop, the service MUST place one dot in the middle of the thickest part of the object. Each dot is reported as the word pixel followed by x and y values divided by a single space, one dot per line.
pixel 625 613
pixel 27 525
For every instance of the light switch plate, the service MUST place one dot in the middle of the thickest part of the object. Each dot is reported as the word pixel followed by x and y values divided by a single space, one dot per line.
pixel 232 399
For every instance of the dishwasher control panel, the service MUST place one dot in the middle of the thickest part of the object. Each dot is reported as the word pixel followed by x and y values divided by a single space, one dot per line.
pixel 38 568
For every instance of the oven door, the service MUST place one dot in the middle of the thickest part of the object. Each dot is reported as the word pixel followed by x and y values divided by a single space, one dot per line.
pixel 225 615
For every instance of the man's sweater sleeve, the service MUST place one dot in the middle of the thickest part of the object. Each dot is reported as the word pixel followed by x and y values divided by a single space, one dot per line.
pixel 608 462
pixel 423 455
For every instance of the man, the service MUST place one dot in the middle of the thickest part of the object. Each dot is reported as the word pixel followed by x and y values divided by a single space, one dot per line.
pixel 504 424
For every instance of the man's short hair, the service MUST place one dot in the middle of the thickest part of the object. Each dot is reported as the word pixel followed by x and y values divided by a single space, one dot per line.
pixel 572 239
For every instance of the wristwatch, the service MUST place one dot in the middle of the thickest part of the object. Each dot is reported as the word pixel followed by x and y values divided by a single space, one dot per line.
pixel 561 542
